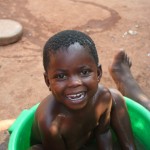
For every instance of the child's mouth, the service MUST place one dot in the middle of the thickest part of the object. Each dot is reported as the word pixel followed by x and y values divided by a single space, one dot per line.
pixel 76 97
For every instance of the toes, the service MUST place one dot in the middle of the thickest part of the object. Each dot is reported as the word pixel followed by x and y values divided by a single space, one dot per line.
pixel 120 55
pixel 121 60
pixel 130 63
pixel 127 60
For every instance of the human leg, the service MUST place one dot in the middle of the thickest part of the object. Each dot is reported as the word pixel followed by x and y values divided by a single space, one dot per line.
pixel 120 121
pixel 126 84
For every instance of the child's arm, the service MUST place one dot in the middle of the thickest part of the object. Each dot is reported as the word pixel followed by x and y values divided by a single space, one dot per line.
pixel 52 139
pixel 102 132
pixel 120 122
pixel 104 141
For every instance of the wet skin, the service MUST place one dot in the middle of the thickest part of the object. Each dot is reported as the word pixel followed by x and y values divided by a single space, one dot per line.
pixel 78 107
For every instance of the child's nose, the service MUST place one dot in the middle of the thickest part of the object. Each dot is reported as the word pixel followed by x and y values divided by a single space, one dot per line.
pixel 74 81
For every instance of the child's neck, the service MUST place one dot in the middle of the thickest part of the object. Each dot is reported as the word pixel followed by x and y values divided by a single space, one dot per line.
pixel 80 113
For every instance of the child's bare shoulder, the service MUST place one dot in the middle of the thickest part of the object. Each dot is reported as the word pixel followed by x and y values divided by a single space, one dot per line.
pixel 46 106
pixel 103 94
pixel 44 117
pixel 103 101
pixel 116 94
pixel 46 112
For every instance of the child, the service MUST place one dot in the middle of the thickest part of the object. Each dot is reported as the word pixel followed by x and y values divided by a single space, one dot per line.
pixel 78 107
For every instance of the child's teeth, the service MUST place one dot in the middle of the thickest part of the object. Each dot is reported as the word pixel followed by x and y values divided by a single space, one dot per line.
pixel 76 96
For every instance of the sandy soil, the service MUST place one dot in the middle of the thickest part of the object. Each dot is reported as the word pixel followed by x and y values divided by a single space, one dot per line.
pixel 107 22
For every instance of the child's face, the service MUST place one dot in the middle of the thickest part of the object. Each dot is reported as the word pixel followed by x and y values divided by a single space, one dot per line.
pixel 73 76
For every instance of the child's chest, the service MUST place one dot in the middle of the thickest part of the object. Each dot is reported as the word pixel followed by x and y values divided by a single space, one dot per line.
pixel 76 131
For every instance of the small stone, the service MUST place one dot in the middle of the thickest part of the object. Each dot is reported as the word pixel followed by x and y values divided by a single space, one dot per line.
pixel 136 25
pixel 87 30
pixel 131 32
pixel 124 34
pixel 122 49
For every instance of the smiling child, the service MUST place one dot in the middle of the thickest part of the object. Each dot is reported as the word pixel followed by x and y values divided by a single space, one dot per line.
pixel 78 108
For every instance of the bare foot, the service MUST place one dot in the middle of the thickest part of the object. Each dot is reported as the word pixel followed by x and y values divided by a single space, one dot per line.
pixel 126 84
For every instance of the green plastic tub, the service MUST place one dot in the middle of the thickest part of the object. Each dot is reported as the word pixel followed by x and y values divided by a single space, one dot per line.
pixel 140 119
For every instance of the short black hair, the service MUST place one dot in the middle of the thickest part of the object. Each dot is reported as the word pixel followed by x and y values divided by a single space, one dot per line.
pixel 64 39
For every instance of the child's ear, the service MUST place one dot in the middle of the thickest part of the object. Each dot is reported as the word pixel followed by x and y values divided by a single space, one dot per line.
pixel 99 72
pixel 47 80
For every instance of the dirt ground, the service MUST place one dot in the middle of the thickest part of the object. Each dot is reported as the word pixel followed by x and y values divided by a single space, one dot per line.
pixel 113 25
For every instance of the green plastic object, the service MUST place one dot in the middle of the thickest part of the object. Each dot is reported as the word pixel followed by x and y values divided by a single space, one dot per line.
pixel 140 120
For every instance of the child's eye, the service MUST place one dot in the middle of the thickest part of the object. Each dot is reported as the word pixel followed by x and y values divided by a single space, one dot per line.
pixel 61 76
pixel 85 72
